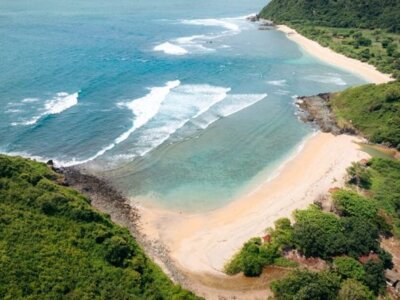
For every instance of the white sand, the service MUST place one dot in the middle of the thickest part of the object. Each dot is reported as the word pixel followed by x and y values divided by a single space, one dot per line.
pixel 202 243
pixel 364 70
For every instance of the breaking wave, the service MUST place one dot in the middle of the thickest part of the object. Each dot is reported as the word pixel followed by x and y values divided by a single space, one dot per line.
pixel 61 102
pixel 198 43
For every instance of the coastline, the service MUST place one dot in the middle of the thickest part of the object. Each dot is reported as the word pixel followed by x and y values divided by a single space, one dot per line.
pixel 327 55
pixel 202 243
pixel 192 248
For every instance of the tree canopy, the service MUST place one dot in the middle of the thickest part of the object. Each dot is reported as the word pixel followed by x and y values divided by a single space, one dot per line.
pixel 54 245
pixel 369 14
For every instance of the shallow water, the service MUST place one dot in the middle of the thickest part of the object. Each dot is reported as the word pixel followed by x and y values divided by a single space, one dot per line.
pixel 182 103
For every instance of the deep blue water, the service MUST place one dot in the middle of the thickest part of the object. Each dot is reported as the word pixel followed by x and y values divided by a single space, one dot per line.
pixel 179 102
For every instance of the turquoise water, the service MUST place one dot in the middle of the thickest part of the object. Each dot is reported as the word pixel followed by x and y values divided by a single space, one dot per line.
pixel 178 102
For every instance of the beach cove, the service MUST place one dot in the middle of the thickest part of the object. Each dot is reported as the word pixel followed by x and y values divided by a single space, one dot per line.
pixel 201 244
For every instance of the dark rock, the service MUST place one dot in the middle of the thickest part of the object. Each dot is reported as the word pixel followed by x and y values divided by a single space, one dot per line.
pixel 253 18
pixel 50 163
pixel 317 110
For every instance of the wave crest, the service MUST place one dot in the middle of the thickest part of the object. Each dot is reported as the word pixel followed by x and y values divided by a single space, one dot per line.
pixel 61 102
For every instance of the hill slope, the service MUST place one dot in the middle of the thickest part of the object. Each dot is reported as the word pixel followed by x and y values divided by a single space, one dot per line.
pixel 369 14
pixel 54 245
pixel 373 110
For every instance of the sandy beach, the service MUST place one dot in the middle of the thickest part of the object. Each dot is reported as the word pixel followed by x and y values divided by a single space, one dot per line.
pixel 364 70
pixel 202 243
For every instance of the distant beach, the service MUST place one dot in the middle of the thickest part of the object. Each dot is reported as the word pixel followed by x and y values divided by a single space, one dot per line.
pixel 364 70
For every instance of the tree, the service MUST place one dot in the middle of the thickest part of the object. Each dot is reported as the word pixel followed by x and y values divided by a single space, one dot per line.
pixel 348 267
pixel 282 235
pixel 318 234
pixel 304 284
pixel 252 258
pixel 361 236
pixel 375 276
pixel 359 175
pixel 354 290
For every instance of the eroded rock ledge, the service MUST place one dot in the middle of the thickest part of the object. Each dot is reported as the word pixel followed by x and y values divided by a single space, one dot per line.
pixel 316 109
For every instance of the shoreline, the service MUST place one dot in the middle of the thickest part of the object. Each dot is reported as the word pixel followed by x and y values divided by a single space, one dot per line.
pixel 327 55
pixel 200 244
pixel 192 248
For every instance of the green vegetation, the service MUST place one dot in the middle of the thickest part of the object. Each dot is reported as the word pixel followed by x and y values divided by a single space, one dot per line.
pixel 384 191
pixel 303 284
pixel 55 246
pixel 368 209
pixel 373 110
pixel 369 14
pixel 354 290
pixel 376 47
pixel 348 267
pixel 252 258
pixel 365 31
pixel 255 255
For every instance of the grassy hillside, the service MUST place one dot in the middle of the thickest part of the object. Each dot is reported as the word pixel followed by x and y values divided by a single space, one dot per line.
pixel 373 110
pixel 367 14
pixel 54 245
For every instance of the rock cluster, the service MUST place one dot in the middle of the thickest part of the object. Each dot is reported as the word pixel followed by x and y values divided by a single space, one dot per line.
pixel 317 110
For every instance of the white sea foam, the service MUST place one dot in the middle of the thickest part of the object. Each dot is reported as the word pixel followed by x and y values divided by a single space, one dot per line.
pixel 30 100
pixel 143 110
pixel 231 105
pixel 330 78
pixel 147 107
pixel 213 22
pixel 239 102
pixel 281 92
pixel 61 102
pixel 197 43
pixel 169 48
pixel 183 104
pixel 277 82
pixel 13 110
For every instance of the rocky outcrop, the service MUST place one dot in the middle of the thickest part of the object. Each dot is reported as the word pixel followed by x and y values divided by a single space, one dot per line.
pixel 316 109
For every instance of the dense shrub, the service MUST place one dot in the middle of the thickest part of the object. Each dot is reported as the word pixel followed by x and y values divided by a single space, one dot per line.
pixel 55 246
pixel 253 257
pixel 318 234
pixel 348 267
pixel 354 290
pixel 302 284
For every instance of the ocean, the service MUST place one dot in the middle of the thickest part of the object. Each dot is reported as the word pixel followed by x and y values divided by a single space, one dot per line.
pixel 180 104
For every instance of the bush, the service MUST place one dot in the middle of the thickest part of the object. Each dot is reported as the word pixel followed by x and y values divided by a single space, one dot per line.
pixel 348 267
pixel 302 284
pixel 252 258
pixel 375 276
pixel 318 234
pixel 117 250
pixel 350 204
pixel 354 290
pixel 282 235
